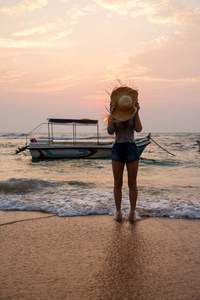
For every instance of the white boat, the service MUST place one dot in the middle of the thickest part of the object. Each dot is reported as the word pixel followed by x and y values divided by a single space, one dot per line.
pixel 76 148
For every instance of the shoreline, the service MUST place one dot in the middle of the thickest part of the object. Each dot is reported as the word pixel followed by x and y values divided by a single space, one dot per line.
pixel 44 256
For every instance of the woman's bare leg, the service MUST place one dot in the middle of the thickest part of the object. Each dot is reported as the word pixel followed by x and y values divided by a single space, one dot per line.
pixel 118 168
pixel 132 169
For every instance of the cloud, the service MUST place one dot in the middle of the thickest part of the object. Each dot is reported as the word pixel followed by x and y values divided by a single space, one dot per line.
pixel 54 85
pixel 62 34
pixel 43 29
pixel 74 15
pixel 172 57
pixel 10 43
pixel 10 77
pixel 35 30
pixel 51 86
pixel 156 43
pixel 118 6
pixel 98 96
pixel 133 8
pixel 159 11
pixel 142 73
pixel 165 64
pixel 124 72
pixel 175 13
pixel 159 79
pixel 24 7
pixel 126 68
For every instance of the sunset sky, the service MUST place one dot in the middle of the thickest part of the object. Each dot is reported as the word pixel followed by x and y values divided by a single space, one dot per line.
pixel 59 57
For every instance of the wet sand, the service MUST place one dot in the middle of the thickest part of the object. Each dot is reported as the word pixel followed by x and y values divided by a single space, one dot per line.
pixel 49 257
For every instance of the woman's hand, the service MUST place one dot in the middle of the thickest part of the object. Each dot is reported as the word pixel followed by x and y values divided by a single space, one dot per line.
pixel 111 123
pixel 137 105
pixel 138 124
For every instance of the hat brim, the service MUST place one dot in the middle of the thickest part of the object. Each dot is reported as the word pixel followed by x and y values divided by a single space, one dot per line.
pixel 120 116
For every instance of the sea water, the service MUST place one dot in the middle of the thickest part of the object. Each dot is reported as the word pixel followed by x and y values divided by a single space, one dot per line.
pixel 168 186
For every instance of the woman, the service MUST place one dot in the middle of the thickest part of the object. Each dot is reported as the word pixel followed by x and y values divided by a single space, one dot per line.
pixel 123 121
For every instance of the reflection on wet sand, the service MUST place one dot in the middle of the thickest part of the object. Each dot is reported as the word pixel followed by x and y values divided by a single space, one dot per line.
pixel 124 266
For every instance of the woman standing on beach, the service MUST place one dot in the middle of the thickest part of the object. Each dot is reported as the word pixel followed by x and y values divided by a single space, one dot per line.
pixel 123 121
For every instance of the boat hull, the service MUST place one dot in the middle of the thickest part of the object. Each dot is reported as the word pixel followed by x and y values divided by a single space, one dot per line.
pixel 70 152
pixel 55 151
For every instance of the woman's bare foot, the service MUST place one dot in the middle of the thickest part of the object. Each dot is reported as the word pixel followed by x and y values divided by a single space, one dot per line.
pixel 118 216
pixel 132 216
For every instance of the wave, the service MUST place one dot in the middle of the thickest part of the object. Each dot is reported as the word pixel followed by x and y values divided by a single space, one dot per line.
pixel 26 185
pixel 180 209
pixel 160 162
pixel 12 134
pixel 81 184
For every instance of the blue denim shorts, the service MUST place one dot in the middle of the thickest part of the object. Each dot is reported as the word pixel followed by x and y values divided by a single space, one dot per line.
pixel 124 152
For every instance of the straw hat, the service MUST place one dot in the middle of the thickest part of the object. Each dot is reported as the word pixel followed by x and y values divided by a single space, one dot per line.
pixel 122 103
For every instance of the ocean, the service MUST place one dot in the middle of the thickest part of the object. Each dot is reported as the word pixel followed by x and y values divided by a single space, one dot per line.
pixel 168 186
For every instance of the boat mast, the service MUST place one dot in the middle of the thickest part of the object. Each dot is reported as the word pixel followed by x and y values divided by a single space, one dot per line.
pixel 74 132
pixel 98 132
pixel 49 132
pixel 52 133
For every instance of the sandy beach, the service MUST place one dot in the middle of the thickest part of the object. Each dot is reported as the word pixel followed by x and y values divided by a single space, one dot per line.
pixel 44 256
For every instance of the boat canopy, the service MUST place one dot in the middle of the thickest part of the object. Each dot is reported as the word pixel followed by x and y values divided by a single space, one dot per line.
pixel 73 121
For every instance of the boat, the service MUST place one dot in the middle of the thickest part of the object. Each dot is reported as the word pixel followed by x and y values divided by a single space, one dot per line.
pixel 77 148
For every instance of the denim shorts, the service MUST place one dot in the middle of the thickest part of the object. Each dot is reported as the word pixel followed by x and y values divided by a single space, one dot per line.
pixel 124 152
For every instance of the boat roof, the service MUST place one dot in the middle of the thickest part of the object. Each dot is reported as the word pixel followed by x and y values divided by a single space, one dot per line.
pixel 70 121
